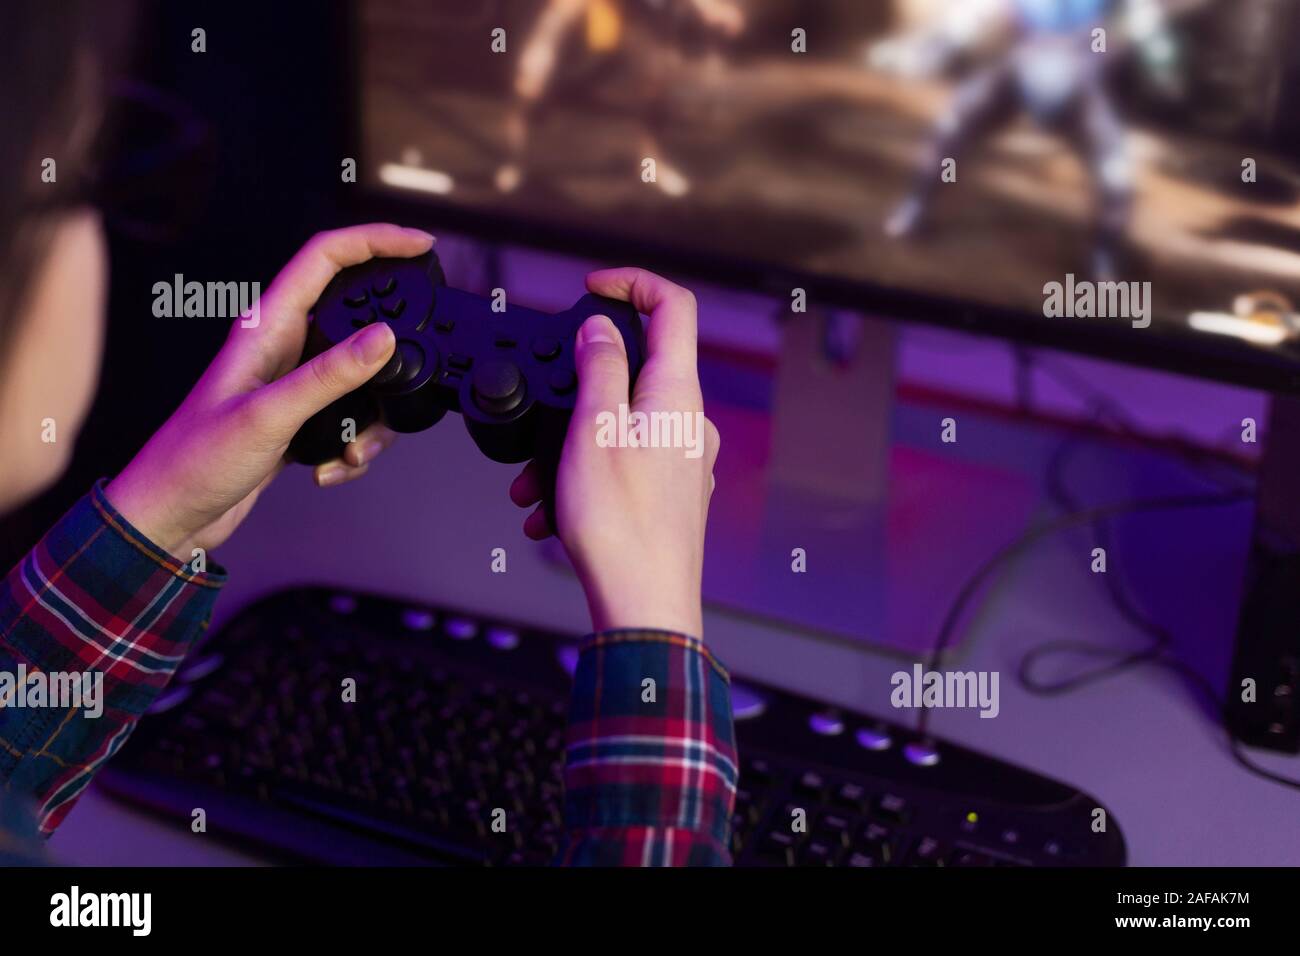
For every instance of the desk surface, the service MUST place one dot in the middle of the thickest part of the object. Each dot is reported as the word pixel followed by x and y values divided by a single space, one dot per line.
pixel 425 521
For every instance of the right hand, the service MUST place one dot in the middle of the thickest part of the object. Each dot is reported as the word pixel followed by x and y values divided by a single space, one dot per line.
pixel 632 519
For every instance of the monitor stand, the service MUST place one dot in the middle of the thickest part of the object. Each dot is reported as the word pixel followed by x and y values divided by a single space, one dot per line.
pixel 833 514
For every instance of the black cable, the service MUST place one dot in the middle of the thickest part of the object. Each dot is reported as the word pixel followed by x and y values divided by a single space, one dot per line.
pixel 1161 638
pixel 1033 536
pixel 1157 652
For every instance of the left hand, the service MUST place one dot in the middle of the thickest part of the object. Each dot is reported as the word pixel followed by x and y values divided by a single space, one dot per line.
pixel 200 474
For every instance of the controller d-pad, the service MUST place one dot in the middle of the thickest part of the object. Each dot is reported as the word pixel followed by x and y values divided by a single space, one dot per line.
pixel 498 387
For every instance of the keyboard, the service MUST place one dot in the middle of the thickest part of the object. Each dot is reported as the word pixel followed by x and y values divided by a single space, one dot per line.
pixel 464 714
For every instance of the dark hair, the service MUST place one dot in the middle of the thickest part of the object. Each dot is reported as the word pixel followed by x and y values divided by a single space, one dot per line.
pixel 58 59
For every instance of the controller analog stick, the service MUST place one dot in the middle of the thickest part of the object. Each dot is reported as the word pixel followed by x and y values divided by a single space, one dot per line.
pixel 405 365
pixel 498 387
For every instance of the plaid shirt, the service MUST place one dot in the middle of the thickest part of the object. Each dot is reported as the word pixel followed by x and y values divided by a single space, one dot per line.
pixel 651 768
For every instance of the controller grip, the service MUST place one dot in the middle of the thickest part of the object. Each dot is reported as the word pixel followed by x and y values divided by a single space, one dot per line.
pixel 320 439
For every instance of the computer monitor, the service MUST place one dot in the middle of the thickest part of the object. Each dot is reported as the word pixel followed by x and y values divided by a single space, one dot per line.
pixel 1117 177
pixel 1120 177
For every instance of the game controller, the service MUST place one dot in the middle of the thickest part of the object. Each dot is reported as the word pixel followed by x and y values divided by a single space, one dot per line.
pixel 507 369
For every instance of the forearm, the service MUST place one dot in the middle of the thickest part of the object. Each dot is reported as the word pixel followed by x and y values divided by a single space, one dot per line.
pixel 650 768
pixel 93 623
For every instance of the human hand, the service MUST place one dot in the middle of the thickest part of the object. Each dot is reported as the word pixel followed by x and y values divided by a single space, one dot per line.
pixel 200 474
pixel 632 519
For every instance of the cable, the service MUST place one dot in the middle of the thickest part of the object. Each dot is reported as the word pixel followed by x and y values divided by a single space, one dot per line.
pixel 1161 638
pixel 1033 536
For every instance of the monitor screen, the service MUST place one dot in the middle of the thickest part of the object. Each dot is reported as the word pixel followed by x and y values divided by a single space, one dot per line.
pixel 1123 172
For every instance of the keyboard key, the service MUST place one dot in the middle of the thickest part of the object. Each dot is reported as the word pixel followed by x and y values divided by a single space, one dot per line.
pixel 891 807
pixel 779 847
pixel 877 841
pixel 812 784
pixel 817 853
pixel 926 851
pixel 969 858
pixel 852 796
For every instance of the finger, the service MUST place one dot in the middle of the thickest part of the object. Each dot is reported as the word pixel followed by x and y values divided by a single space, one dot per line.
pixel 280 408
pixel 526 489
pixel 337 472
pixel 537 525
pixel 602 369
pixel 671 335
pixel 301 282
pixel 369 444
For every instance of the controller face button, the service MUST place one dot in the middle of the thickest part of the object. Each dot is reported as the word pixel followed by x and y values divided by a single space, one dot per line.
pixel 445 325
pixel 393 309
pixel 361 321
pixel 356 298
pixel 498 387
pixel 546 349
pixel 562 381
pixel 385 287
pixel 462 362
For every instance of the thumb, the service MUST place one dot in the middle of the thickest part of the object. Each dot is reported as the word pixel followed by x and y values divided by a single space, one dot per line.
pixel 289 401
pixel 601 360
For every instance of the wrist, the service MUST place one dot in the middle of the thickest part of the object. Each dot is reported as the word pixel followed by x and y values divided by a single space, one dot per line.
pixel 145 510
pixel 632 612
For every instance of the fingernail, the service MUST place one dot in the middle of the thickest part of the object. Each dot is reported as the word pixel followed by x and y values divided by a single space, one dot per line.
pixel 598 328
pixel 420 232
pixel 372 343
pixel 330 476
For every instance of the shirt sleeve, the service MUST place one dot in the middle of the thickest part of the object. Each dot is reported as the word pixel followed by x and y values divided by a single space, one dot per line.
pixel 650 768
pixel 93 623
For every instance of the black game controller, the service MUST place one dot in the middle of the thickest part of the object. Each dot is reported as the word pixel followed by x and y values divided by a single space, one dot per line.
pixel 510 373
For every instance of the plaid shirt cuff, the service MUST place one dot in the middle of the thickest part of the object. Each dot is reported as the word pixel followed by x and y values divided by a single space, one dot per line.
pixel 650 770
pixel 95 598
